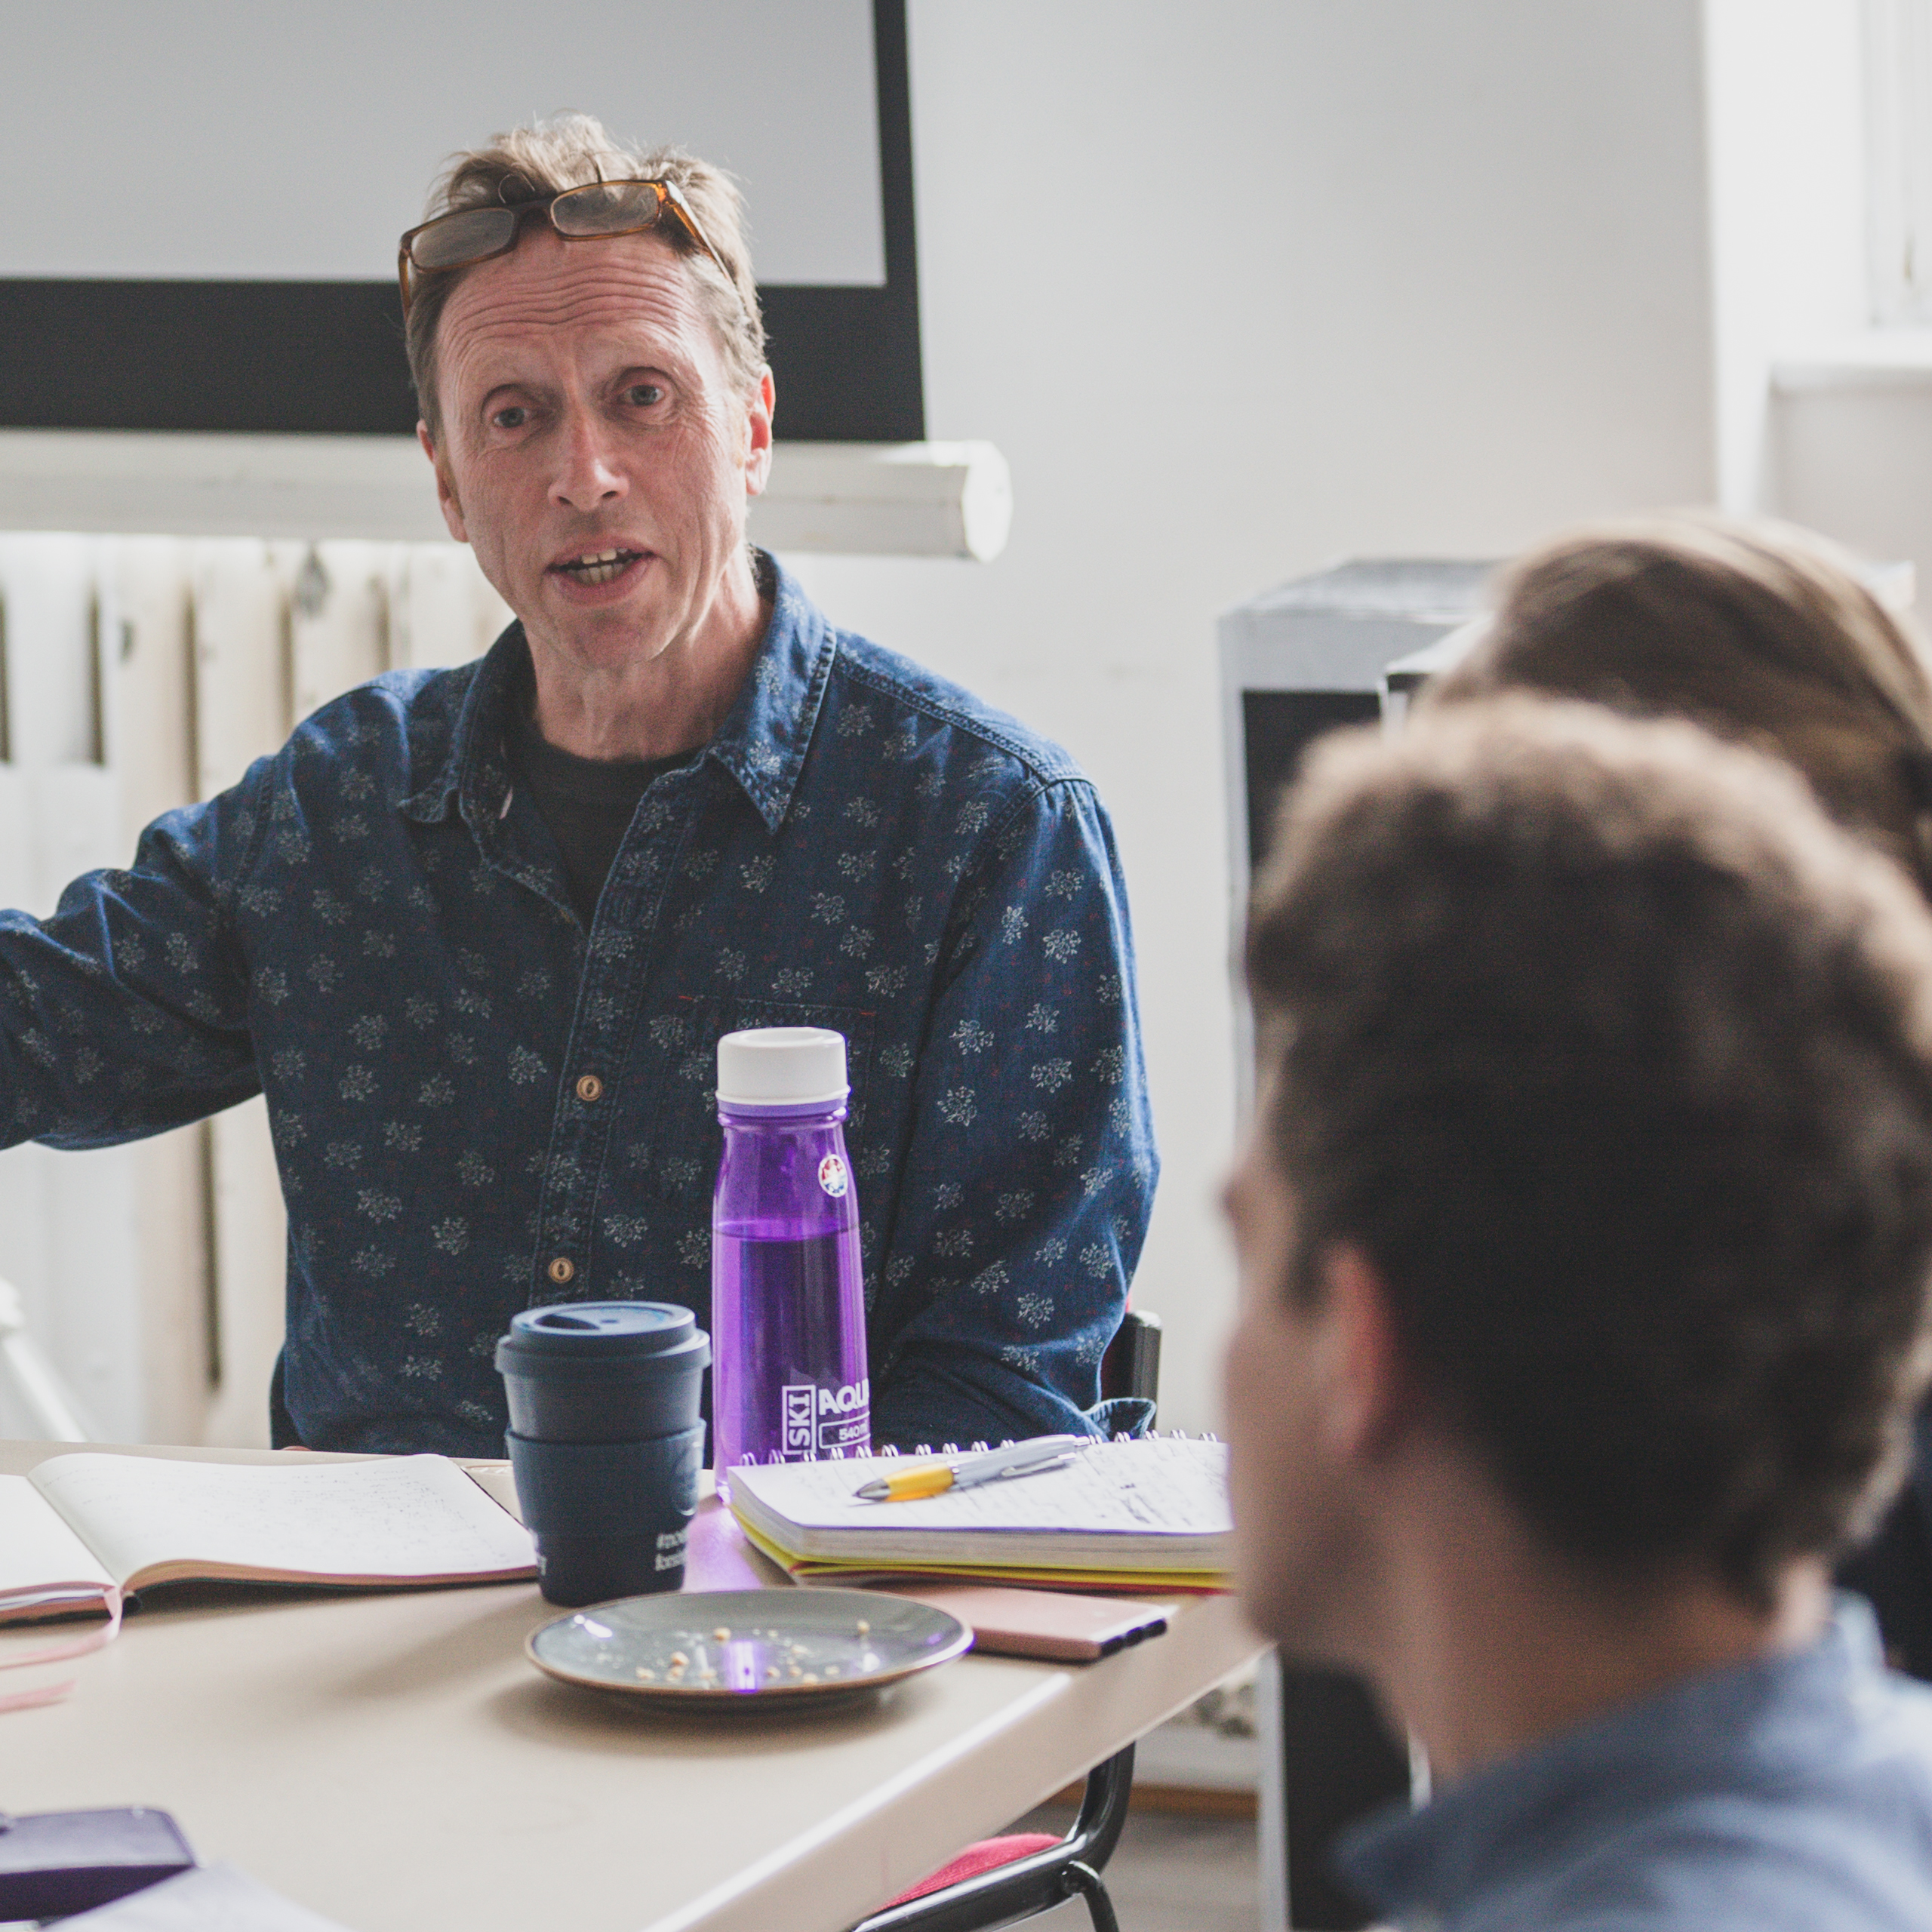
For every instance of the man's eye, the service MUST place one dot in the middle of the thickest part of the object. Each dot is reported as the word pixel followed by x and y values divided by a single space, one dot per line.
pixel 641 396
pixel 514 417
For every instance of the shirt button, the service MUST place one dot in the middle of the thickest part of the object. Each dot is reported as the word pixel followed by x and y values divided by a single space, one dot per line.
pixel 562 1270
pixel 589 1088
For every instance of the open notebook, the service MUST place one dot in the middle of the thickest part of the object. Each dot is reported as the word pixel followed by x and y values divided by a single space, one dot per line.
pixel 1148 1514
pixel 81 1525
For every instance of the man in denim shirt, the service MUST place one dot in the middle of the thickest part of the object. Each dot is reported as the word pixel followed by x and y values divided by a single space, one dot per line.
pixel 1584 1231
pixel 476 933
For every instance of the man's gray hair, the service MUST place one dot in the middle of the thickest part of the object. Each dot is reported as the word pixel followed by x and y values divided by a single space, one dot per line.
pixel 565 151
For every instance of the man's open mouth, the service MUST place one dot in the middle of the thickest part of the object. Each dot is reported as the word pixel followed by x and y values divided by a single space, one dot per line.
pixel 598 566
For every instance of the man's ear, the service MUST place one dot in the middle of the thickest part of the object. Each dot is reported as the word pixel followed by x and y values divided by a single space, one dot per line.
pixel 446 496
pixel 1371 1393
pixel 757 449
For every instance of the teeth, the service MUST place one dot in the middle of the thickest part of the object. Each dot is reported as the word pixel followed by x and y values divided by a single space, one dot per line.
pixel 599 567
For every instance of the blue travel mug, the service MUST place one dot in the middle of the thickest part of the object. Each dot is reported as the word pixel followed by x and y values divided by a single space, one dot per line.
pixel 605 1442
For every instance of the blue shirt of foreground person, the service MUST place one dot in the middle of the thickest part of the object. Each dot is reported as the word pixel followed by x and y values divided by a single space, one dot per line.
pixel 485 1016
pixel 1584 1233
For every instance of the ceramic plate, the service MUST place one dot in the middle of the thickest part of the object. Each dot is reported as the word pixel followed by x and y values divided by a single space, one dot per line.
pixel 739 1647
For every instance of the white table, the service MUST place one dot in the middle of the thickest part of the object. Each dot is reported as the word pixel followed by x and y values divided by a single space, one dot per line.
pixel 393 1761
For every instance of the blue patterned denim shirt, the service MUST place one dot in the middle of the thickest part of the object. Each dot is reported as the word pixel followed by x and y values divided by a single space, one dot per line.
pixel 373 928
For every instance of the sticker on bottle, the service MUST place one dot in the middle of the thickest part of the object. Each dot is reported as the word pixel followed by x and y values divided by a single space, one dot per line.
pixel 844 1417
pixel 801 1418
pixel 832 1177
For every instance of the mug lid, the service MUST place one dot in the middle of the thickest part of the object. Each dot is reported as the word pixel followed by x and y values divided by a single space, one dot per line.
pixel 776 1066
pixel 602 1330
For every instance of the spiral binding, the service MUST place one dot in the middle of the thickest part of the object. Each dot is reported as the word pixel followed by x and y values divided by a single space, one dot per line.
pixel 890 1452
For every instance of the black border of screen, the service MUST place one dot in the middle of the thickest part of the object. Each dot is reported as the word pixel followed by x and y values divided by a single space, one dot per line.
pixel 325 358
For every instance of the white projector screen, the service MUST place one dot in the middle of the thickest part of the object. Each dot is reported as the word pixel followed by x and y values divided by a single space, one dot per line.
pixel 204 195
pixel 239 140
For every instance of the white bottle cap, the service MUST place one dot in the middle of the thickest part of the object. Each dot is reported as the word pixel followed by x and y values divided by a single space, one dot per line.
pixel 780 1066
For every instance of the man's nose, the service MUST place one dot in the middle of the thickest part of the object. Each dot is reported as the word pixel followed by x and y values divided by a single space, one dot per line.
pixel 588 475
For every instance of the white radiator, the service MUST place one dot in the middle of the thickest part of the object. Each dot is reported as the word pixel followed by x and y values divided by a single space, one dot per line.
pixel 138 673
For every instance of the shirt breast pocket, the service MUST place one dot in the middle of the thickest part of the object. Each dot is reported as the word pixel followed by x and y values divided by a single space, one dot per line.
pixel 680 1160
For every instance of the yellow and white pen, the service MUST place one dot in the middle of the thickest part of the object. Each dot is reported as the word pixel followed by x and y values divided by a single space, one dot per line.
pixel 1017 1459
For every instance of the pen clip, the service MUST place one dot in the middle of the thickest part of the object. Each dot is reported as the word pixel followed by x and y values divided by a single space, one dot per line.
pixel 1030 1469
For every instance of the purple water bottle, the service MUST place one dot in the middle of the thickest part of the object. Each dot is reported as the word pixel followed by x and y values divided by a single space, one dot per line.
pixel 788 1304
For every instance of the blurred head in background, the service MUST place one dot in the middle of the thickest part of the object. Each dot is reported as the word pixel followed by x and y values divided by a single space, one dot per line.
pixel 1762 633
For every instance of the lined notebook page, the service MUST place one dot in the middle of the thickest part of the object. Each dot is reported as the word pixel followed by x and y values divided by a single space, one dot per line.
pixel 36 1547
pixel 402 1517
pixel 1156 1487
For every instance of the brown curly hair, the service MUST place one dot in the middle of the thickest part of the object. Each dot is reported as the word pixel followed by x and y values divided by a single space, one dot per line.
pixel 1615 1056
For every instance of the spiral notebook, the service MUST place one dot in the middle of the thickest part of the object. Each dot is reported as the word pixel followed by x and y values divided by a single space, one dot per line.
pixel 1151 1514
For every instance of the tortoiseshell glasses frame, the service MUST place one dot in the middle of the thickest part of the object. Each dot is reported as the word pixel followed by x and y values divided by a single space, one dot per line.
pixel 465 236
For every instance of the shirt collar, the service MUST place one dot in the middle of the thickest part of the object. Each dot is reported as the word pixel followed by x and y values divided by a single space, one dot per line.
pixel 762 742
pixel 1743 1724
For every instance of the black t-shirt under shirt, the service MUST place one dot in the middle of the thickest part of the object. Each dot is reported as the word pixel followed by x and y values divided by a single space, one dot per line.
pixel 588 803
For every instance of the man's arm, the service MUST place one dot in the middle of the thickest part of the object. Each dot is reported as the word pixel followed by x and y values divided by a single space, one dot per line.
pixel 1025 1192
pixel 125 1014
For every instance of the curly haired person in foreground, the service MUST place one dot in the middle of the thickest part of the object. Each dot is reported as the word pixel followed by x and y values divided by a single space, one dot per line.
pixel 1585 1229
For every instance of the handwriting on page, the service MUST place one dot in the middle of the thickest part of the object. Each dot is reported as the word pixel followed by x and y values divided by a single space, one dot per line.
pixel 1130 1487
pixel 415 1515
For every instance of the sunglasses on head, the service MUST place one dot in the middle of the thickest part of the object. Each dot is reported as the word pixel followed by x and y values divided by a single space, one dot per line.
pixel 467 235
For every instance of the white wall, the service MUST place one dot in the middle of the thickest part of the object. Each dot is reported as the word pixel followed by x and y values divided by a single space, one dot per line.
pixel 1823 418
pixel 1851 447
pixel 1788 195
pixel 1240 289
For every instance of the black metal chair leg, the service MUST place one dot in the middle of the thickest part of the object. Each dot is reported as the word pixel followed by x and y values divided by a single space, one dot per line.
pixel 1100 1907
pixel 1037 1882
